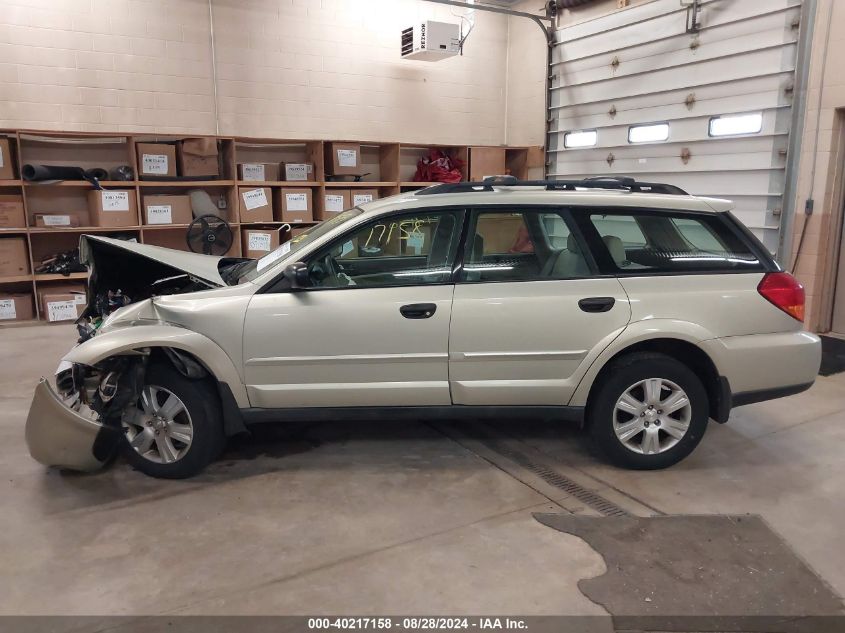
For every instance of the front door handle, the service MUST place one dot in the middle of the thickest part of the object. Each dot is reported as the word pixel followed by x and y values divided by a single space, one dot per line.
pixel 596 304
pixel 418 310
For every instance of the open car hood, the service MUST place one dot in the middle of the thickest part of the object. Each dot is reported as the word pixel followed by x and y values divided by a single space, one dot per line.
pixel 101 253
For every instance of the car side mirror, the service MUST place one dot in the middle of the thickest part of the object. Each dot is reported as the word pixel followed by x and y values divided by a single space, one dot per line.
pixel 297 275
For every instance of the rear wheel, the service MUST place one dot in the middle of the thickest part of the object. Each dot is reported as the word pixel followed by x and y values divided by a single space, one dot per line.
pixel 174 430
pixel 650 412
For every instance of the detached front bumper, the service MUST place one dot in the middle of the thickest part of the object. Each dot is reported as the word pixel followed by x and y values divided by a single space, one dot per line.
pixel 58 436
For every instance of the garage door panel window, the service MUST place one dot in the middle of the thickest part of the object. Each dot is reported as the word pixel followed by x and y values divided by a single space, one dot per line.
pixel 653 133
pixel 405 250
pixel 659 242
pixel 736 125
pixel 522 246
pixel 581 138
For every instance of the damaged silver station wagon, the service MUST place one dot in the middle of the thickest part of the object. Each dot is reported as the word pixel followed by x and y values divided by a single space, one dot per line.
pixel 631 308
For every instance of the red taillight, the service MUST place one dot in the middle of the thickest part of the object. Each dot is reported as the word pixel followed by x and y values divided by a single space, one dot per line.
pixel 784 291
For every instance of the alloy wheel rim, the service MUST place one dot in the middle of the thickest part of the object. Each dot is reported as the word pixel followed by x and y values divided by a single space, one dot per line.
pixel 159 427
pixel 652 416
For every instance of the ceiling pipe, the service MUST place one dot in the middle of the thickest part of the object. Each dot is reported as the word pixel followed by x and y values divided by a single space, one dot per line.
pixel 547 26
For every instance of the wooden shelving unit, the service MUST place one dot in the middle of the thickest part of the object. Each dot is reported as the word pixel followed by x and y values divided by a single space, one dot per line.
pixel 388 167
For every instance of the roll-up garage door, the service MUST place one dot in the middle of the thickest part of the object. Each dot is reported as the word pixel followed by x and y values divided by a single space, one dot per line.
pixel 725 93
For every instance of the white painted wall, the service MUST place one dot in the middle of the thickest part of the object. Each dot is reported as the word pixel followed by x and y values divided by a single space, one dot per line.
pixel 105 65
pixel 286 68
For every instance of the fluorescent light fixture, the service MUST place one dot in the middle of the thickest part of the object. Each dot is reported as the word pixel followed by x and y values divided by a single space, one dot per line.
pixel 736 124
pixel 648 133
pixel 581 138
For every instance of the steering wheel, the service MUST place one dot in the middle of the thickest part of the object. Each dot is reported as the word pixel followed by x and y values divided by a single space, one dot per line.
pixel 326 269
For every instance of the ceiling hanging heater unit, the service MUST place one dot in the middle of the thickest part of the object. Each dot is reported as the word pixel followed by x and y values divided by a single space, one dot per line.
pixel 431 41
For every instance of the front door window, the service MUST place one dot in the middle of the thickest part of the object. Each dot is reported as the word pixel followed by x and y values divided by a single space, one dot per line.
pixel 402 250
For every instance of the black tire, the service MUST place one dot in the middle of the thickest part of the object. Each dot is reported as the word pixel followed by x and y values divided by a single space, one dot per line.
pixel 622 374
pixel 202 403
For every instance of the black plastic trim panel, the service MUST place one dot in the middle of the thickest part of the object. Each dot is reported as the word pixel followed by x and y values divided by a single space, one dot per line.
pixel 750 397
pixel 453 412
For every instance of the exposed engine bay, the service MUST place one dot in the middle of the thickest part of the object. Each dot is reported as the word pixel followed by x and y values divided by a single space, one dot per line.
pixel 124 272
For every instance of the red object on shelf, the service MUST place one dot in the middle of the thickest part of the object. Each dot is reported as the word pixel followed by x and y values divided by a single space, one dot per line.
pixel 438 166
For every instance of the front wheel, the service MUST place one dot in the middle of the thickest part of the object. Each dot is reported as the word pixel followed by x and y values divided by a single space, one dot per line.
pixel 650 412
pixel 174 430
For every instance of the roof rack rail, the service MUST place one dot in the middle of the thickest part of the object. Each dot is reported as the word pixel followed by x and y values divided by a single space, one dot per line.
pixel 623 183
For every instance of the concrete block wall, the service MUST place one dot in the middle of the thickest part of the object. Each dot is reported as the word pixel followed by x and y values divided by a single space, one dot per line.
pixel 103 65
pixel 332 69
pixel 822 145
pixel 286 68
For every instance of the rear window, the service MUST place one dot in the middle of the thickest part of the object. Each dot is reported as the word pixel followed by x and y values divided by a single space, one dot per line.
pixel 661 242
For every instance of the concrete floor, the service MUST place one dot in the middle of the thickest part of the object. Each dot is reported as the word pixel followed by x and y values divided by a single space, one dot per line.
pixel 389 518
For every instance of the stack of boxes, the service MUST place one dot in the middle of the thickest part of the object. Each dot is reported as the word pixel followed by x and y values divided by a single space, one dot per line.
pixel 193 158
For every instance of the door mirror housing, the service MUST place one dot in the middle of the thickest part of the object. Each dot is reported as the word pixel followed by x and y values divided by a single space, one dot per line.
pixel 297 275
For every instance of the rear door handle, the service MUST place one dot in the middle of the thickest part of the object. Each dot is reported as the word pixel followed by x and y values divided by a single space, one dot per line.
pixel 596 304
pixel 418 310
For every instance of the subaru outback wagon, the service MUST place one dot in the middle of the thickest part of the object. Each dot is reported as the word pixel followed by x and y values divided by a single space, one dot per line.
pixel 631 308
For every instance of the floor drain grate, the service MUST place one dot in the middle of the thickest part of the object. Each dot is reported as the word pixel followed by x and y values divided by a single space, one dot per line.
pixel 591 499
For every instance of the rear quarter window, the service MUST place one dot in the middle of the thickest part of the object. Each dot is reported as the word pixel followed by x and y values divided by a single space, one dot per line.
pixel 647 241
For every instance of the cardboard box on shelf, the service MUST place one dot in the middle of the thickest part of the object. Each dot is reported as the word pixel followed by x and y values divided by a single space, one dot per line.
pixel 295 205
pixel 343 159
pixel 363 196
pixel 14 258
pixel 198 157
pixel 258 172
pixel 112 208
pixel 335 201
pixel 11 212
pixel 7 167
pixel 255 204
pixel 156 159
pixel 297 171
pixel 62 302
pixel 16 307
pixel 258 242
pixel 59 220
pixel 167 209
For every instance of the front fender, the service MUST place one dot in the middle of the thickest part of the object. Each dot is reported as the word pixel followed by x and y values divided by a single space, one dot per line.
pixel 121 340
pixel 637 332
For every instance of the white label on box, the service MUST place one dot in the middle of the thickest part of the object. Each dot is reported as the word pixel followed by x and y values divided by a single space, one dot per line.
pixel 159 214
pixel 347 158
pixel 296 201
pixel 61 310
pixel 361 198
pixel 115 200
pixel 254 198
pixel 7 309
pixel 154 164
pixel 253 171
pixel 334 203
pixel 80 298
pixel 416 240
pixel 259 242
pixel 56 220
pixel 297 171
pixel 276 255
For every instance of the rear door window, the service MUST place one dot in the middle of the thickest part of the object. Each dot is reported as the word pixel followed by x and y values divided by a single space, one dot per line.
pixel 522 245
pixel 668 242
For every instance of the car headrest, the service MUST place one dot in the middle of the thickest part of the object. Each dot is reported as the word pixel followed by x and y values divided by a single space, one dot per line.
pixel 572 244
pixel 616 248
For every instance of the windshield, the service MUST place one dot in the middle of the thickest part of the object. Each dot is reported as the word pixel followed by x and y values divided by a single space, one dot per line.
pixel 249 270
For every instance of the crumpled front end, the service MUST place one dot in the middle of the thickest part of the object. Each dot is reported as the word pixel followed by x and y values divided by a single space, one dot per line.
pixel 59 435
pixel 78 425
